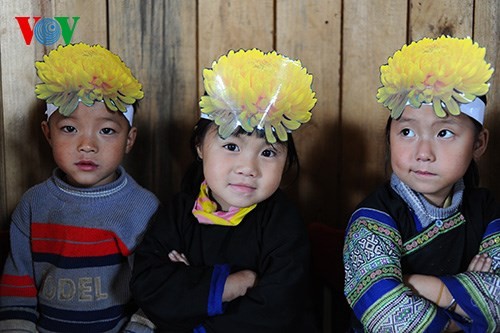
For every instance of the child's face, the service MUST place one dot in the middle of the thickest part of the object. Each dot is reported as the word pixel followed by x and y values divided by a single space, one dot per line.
pixel 90 144
pixel 430 154
pixel 241 170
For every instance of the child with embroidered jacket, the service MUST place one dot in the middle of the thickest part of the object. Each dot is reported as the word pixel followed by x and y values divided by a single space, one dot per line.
pixel 230 252
pixel 72 236
pixel 421 253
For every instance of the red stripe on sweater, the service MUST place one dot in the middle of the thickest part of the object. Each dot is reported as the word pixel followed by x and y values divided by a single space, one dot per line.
pixel 71 233
pixel 63 248
pixel 17 286
pixel 73 241
pixel 15 280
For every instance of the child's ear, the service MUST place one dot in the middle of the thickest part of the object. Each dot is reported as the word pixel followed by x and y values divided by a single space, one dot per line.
pixel 46 131
pixel 132 134
pixel 481 143
pixel 199 151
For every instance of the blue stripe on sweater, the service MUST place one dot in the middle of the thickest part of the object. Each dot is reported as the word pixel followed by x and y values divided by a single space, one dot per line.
pixel 58 320
pixel 79 262
pixel 21 314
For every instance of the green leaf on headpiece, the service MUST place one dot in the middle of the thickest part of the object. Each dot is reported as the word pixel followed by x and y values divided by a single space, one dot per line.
pixel 270 138
pixel 109 103
pixel 85 99
pixel 226 124
pixel 119 105
pixel 438 109
pixel 68 107
pixel 59 99
pixel 281 132
pixel 397 111
pixel 290 124
pixel 461 98
pixel 453 107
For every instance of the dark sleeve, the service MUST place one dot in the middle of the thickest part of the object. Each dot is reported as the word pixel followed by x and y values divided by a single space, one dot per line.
pixel 276 304
pixel 173 296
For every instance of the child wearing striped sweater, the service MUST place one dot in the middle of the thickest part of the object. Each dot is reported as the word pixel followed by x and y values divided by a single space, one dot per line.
pixel 72 236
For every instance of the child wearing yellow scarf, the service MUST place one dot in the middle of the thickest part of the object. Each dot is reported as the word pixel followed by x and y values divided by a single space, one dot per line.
pixel 230 252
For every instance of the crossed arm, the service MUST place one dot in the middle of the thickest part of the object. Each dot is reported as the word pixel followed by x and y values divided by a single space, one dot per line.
pixel 434 290
pixel 237 284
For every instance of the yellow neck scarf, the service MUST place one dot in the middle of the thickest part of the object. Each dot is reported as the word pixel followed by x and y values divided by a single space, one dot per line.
pixel 205 210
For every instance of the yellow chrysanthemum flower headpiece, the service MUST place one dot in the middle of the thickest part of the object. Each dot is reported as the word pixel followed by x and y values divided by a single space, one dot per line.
pixel 257 90
pixel 82 73
pixel 447 72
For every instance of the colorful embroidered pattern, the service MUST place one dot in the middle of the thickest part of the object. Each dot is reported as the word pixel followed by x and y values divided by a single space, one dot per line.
pixel 373 280
pixel 491 245
pixel 399 312
pixel 374 286
pixel 437 228
pixel 482 293
pixel 368 234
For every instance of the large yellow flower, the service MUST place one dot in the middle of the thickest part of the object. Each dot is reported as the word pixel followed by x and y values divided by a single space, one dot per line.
pixel 257 90
pixel 80 72
pixel 444 71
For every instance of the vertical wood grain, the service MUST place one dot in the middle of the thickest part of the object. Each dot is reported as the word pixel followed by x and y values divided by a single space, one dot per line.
pixel 91 27
pixel 477 19
pixel 372 31
pixel 167 43
pixel 486 34
pixel 4 214
pixel 431 18
pixel 157 40
pixel 311 31
pixel 27 158
pixel 21 137
pixel 232 24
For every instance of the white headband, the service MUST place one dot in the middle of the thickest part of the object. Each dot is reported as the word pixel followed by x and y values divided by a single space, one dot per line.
pixel 474 109
pixel 129 114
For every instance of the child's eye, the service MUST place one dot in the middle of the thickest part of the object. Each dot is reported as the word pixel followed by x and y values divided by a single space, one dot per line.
pixel 268 153
pixel 68 129
pixel 231 147
pixel 407 132
pixel 445 134
pixel 107 131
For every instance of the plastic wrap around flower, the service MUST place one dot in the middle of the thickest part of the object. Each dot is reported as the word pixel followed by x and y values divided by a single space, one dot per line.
pixel 80 72
pixel 257 90
pixel 445 71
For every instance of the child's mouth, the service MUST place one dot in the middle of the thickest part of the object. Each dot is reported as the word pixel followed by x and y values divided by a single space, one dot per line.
pixel 86 165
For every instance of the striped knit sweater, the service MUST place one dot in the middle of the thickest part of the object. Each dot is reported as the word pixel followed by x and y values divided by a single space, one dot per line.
pixel 68 269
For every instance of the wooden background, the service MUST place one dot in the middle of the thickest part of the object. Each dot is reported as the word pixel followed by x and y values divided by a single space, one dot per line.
pixel 167 43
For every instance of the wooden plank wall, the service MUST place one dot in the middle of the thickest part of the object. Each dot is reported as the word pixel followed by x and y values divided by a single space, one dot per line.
pixel 167 43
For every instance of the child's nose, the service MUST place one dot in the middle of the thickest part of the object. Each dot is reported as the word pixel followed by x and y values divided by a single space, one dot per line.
pixel 425 151
pixel 247 166
pixel 87 144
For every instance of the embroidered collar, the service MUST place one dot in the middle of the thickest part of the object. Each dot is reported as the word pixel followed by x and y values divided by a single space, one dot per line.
pixel 425 212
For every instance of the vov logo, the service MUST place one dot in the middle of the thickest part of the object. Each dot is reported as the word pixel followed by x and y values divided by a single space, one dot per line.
pixel 47 31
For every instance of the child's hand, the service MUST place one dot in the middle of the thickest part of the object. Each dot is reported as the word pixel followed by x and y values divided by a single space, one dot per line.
pixel 175 256
pixel 480 263
pixel 237 284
